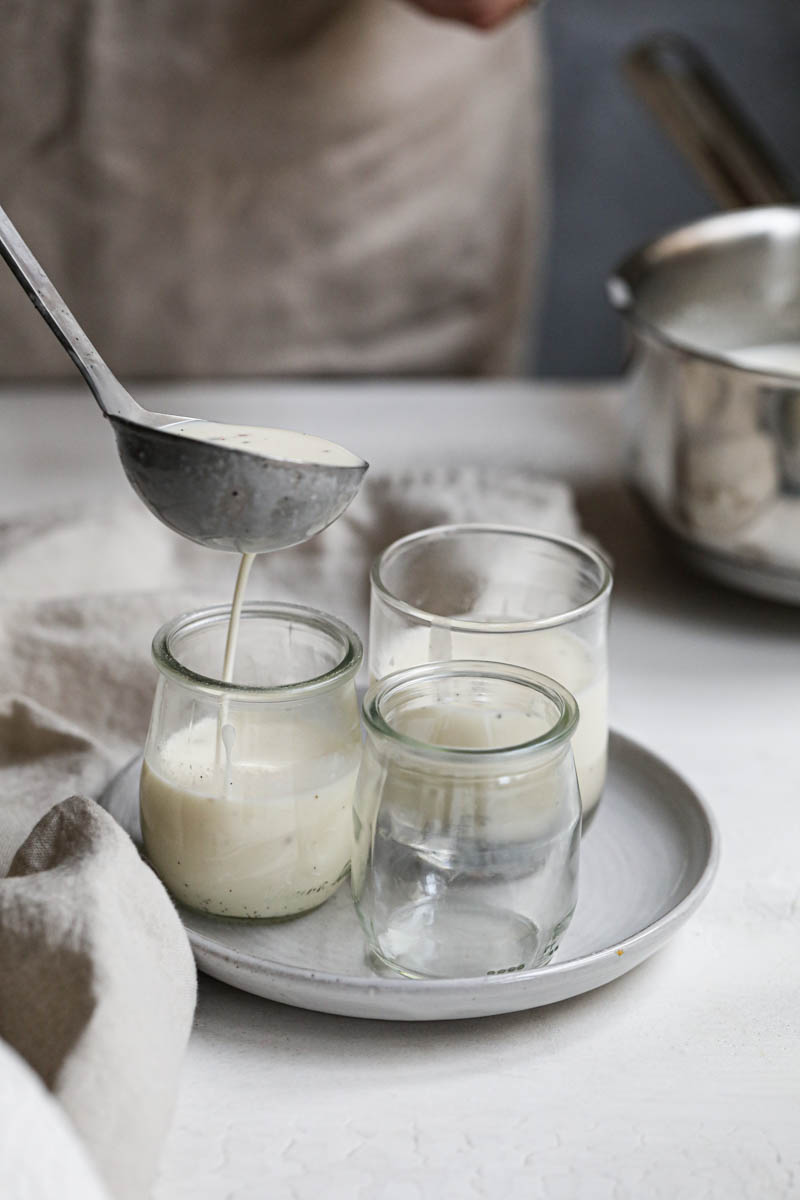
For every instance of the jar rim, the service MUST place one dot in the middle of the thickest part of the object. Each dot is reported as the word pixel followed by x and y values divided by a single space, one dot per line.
pixel 487 625
pixel 562 729
pixel 170 665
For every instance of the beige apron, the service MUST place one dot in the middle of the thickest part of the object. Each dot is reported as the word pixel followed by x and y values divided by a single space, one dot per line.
pixel 271 186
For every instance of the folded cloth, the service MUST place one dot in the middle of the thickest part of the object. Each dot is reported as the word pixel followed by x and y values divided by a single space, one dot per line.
pixel 90 940
pixel 96 978
pixel 40 1155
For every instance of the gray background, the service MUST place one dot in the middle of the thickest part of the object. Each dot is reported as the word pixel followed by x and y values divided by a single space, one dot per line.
pixel 617 182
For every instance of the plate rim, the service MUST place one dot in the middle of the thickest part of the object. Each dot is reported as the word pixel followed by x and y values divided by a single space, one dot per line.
pixel 205 946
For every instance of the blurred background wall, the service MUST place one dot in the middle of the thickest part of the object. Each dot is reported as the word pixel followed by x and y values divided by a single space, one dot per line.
pixel 617 182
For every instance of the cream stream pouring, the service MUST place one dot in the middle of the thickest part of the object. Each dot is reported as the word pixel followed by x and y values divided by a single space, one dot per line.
pixel 239 488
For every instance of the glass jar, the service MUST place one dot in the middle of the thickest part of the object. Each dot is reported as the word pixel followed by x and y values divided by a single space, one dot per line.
pixel 246 788
pixel 467 820
pixel 505 595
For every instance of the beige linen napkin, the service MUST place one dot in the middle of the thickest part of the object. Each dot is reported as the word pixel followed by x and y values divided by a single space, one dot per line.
pixel 96 978
pixel 97 987
pixel 40 1157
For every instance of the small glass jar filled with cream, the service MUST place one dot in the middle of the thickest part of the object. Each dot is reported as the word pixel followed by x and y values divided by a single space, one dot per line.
pixel 467 820
pixel 247 788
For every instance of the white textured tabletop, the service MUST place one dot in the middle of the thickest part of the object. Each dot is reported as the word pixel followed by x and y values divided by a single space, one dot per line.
pixel 680 1081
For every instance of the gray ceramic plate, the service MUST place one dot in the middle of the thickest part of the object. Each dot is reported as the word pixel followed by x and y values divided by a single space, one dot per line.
pixel 646 863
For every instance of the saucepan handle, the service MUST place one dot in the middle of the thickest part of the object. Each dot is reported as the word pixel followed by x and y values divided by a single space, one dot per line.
pixel 706 123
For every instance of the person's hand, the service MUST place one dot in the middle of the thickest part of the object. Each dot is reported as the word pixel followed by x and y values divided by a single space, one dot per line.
pixel 482 14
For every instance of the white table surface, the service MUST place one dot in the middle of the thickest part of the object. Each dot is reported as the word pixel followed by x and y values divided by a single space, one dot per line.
pixel 679 1081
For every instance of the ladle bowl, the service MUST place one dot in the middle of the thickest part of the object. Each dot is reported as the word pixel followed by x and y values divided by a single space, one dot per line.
pixel 226 498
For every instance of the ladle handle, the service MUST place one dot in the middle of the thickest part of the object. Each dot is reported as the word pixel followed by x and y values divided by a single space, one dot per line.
pixel 706 123
pixel 106 388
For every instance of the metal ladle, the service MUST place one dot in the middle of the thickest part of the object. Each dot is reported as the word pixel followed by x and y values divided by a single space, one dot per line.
pixel 220 496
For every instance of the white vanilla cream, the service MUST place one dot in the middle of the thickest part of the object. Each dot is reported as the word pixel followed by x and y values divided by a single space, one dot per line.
pixel 554 652
pixel 771 356
pixel 509 801
pixel 265 831
pixel 284 444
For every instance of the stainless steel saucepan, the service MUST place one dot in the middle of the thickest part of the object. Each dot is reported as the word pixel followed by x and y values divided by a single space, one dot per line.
pixel 713 311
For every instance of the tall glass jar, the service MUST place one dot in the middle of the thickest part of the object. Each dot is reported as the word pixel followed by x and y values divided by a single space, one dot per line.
pixel 467 820
pixel 246 788
pixel 501 594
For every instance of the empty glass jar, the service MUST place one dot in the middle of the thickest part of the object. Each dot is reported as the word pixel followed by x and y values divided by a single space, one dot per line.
pixel 467 820
pixel 247 788
pixel 505 595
